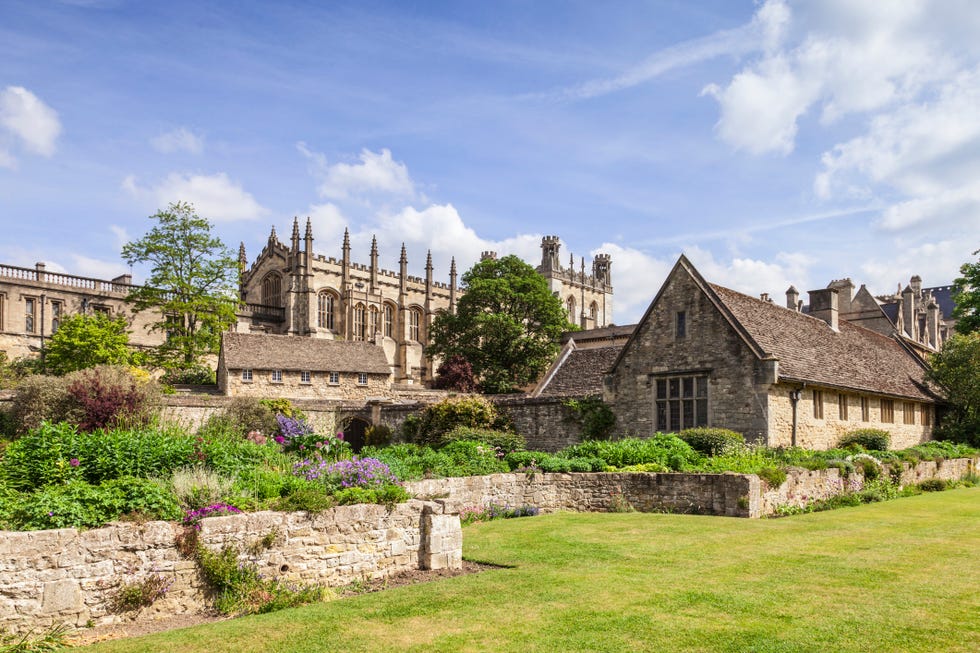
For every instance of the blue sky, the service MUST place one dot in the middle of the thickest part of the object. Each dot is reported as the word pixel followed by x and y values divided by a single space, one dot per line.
pixel 773 143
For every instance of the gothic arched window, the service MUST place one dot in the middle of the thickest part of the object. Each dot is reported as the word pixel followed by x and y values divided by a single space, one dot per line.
pixel 373 323
pixel 570 305
pixel 389 320
pixel 272 289
pixel 414 322
pixel 594 310
pixel 325 310
pixel 359 326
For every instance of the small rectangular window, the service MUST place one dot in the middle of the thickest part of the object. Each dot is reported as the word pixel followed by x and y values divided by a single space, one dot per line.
pixel 887 411
pixel 842 407
pixel 926 415
pixel 681 324
pixel 102 308
pixel 276 376
pixel 30 313
pixel 304 377
pixel 865 409
pixel 334 378
pixel 818 404
pixel 247 376
pixel 56 311
pixel 361 378
pixel 908 412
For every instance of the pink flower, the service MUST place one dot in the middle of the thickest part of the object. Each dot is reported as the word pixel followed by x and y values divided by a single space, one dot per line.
pixel 340 435
pixel 73 462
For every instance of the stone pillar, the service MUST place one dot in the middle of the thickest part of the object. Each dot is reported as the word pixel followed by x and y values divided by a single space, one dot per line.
pixel 441 545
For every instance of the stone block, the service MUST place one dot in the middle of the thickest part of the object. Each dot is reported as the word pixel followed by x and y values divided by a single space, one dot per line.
pixel 61 596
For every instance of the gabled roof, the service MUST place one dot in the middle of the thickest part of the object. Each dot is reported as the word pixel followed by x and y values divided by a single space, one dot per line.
pixel 269 352
pixel 608 333
pixel 578 372
pixel 807 349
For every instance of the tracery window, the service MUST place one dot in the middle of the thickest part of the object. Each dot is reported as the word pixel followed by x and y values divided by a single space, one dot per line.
pixel 414 320
pixel 373 321
pixel 389 320
pixel 570 307
pixel 359 322
pixel 325 307
pixel 272 290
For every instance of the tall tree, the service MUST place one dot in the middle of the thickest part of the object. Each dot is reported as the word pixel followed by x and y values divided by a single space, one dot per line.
pixel 956 370
pixel 966 294
pixel 84 341
pixel 507 324
pixel 191 284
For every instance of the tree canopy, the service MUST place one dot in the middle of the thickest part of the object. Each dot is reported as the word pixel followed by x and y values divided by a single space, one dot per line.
pixel 956 370
pixel 191 284
pixel 84 341
pixel 966 294
pixel 507 324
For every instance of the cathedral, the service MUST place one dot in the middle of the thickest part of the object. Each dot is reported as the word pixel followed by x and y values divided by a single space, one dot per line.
pixel 290 290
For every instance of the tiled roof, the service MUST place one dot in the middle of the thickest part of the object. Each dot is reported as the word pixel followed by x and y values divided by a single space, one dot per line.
pixel 809 350
pixel 602 333
pixel 268 352
pixel 580 373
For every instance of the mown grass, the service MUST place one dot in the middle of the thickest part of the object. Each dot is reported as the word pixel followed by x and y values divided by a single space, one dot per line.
pixel 894 576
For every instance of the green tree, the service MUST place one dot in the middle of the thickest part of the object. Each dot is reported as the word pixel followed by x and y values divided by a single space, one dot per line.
pixel 955 369
pixel 191 284
pixel 507 324
pixel 966 294
pixel 84 341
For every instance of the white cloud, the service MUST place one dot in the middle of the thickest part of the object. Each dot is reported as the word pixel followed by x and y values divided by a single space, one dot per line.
pixel 120 234
pixel 215 197
pixel 377 173
pixel 936 262
pixel 85 266
pixel 28 121
pixel 176 140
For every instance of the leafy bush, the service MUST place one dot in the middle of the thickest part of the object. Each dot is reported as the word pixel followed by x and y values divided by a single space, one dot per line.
pixel 245 414
pixel 107 396
pixel 710 441
pixel 546 462
pixel 870 439
pixel 139 594
pixel 773 476
pixel 455 373
pixel 311 498
pixel 667 450
pixel 197 486
pixel 356 472
pixel 195 375
pixel 593 415
pixel 378 435
pixel 502 441
pixel 437 419
pixel 933 485
pixel 282 406
pixel 411 461
pixel 474 458
pixel 39 399
pixel 82 505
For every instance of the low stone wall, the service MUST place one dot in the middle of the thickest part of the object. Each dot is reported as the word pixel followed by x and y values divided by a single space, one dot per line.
pixel 802 486
pixel 68 576
pixel 545 422
pixel 704 494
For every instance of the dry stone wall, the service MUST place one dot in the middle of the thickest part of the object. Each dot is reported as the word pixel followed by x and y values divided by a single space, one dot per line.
pixel 69 576
pixel 706 494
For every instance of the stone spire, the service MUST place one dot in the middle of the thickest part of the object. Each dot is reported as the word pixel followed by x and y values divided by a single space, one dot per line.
pixel 273 239
pixel 402 275
pixel 374 263
pixel 295 238
pixel 428 279
pixel 452 285
pixel 308 238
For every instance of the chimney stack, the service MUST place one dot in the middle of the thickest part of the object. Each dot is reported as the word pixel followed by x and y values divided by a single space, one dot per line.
pixel 823 305
pixel 792 298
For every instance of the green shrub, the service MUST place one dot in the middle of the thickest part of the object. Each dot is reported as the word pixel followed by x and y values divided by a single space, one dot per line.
pixel 39 399
pixel 710 441
pixel 870 439
pixel 311 497
pixel 283 407
pixel 82 505
pixel 773 476
pixel 664 449
pixel 473 458
pixel 546 462
pixel 650 468
pixel 242 415
pixel 502 441
pixel 110 396
pixel 194 375
pixel 378 435
pixel 437 419
pixel 196 486
pixel 933 485
pixel 411 461
pixel 596 419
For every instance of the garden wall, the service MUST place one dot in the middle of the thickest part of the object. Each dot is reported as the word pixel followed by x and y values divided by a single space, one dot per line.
pixel 68 576
pixel 544 422
pixel 705 494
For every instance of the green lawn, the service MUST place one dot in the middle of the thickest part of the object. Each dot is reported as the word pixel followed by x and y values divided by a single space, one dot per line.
pixel 897 576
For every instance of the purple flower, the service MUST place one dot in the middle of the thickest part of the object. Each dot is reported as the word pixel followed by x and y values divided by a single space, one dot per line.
pixel 279 439
pixel 73 462
pixel 340 435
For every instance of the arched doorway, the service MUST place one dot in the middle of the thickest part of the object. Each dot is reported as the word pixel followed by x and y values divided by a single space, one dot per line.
pixel 353 430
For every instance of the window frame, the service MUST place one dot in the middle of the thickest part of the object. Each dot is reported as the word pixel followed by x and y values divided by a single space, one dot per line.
pixel 360 322
pixel 57 313
pixel 326 310
pixel 681 401
pixel 247 376
pixel 30 314
pixel 680 325
pixel 886 408
pixel 415 324
pixel 305 377
pixel 818 407
pixel 908 413
pixel 275 376
pixel 842 408
pixel 389 320
pixel 333 378
pixel 865 409
pixel 362 378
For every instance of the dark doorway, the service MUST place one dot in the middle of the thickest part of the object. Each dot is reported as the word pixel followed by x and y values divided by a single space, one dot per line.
pixel 354 429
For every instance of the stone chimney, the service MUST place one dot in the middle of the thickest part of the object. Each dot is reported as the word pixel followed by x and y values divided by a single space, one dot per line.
pixel 909 323
pixel 845 291
pixel 916 284
pixel 484 256
pixel 823 306
pixel 932 323
pixel 792 298
pixel 40 267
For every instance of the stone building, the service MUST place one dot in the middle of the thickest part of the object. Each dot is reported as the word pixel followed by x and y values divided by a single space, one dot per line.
pixel 585 358
pixel 921 316
pixel 33 301
pixel 707 355
pixel 261 365
pixel 290 290
pixel 293 291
